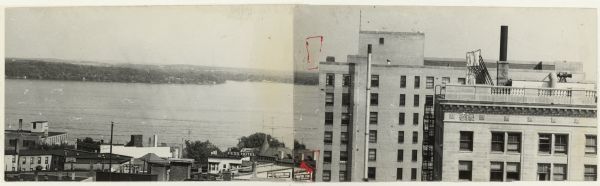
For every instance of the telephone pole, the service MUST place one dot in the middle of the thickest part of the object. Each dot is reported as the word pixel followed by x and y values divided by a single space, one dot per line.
pixel 112 124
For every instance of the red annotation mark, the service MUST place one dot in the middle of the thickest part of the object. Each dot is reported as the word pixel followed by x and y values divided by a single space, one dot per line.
pixel 308 60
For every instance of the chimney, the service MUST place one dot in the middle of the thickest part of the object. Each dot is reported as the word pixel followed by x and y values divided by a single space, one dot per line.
pixel 502 64
pixel 20 124
pixel 155 140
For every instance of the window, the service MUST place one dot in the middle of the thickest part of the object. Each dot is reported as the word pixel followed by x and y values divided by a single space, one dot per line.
pixel 464 170
pixel 400 156
pixel 514 142
pixel 481 117
pixel 24 161
pixel 513 172
pixel 343 155
pixel 344 138
pixel 345 99
pixel 590 173
pixel 466 141
pixel 329 80
pixel 326 175
pixel 329 99
pixel 401 118
pixel 372 136
pixel 560 143
pixel 39 160
pixel 590 144
pixel 497 141
pixel 462 81
pixel 374 80
pixel 347 80
pixel 327 157
pixel 445 80
pixel 543 172
pixel 415 118
pixel 400 137
pixel 373 118
pixel 31 160
pixel 381 40
pixel 371 171
pixel 497 171
pixel 417 82
pixel 398 173
pixel 429 81
pixel 345 119
pixel 414 155
pixel 328 118
pixel 372 154
pixel 12 142
pixel 402 81
pixel 46 160
pixel 402 100
pixel 328 137
pixel 413 174
pixel 342 175
pixel 529 119
pixel 374 99
pixel 416 100
pixel 544 143
pixel 506 118
pixel 415 138
pixel 429 100
pixel 559 173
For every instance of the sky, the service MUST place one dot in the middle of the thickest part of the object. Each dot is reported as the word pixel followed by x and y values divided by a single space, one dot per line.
pixel 534 34
pixel 228 36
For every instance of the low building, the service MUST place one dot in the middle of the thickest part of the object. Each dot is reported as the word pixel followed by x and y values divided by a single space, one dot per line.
pixel 137 152
pixel 30 160
pixel 167 169
pixel 30 136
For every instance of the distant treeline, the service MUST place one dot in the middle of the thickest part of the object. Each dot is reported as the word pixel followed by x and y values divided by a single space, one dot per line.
pixel 306 78
pixel 176 74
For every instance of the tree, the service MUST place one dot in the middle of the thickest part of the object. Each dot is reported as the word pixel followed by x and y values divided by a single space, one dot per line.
pixel 88 144
pixel 199 151
pixel 256 140
pixel 298 145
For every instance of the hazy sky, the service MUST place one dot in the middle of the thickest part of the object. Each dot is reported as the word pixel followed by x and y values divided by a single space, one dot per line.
pixel 536 34
pixel 231 36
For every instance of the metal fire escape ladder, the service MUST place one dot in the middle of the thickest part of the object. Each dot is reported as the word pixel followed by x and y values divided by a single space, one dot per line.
pixel 428 142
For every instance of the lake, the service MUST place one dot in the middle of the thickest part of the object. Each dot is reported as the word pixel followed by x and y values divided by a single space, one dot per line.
pixel 220 113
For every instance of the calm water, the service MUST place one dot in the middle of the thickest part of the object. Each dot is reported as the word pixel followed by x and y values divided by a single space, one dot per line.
pixel 220 113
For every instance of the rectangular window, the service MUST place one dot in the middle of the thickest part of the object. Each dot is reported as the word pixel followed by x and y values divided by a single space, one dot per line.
pixel 343 155
pixel 514 142
pixel 326 175
pixel 429 81
pixel 544 143
pixel 462 81
pixel 373 118
pixel 497 141
pixel 417 82
pixel 591 144
pixel 328 118
pixel 466 140
pixel 415 118
pixel 445 80
pixel 413 174
pixel 371 171
pixel 400 137
pixel 560 143
pixel 347 80
pixel 328 137
pixel 398 173
pixel 344 138
pixel 559 173
pixel 345 120
pixel 497 171
pixel 343 176
pixel 414 155
pixel 402 81
pixel 372 136
pixel 416 100
pixel 381 41
pixel 513 171
pixel 372 154
pixel 12 142
pixel 543 172
pixel 415 138
pixel 46 160
pixel 401 118
pixel 345 99
pixel 400 156
pixel 330 79
pixel 590 172
pixel 31 160
pixel 402 100
pixel 329 99
pixel 39 160
pixel 429 100
pixel 327 156
pixel 374 80
pixel 464 170
pixel 374 99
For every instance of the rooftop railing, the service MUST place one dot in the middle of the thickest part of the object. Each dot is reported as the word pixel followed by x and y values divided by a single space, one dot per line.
pixel 519 95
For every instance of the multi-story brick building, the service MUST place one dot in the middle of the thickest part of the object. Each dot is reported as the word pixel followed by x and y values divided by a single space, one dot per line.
pixel 402 82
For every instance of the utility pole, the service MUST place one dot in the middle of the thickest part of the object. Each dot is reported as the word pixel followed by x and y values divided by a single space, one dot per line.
pixel 367 114
pixel 112 124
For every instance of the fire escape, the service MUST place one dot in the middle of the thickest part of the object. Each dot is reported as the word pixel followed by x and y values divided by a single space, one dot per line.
pixel 428 141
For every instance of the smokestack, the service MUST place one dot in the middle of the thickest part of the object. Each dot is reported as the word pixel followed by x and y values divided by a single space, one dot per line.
pixel 155 140
pixel 20 124
pixel 502 78
pixel 503 42
pixel 369 49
